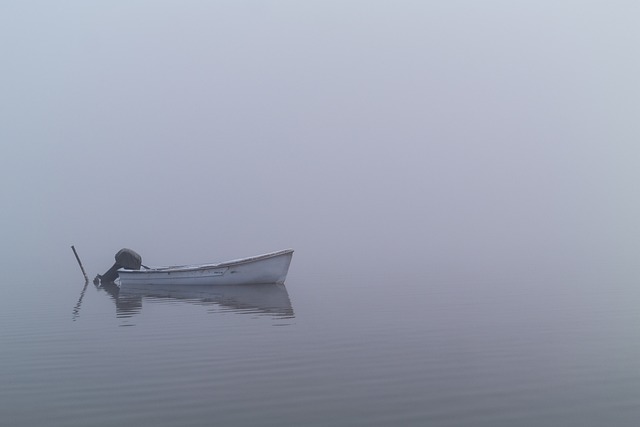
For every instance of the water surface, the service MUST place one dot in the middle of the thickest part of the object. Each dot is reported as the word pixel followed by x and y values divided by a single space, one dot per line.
pixel 343 351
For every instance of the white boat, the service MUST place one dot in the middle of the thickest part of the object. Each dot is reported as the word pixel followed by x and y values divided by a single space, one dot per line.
pixel 271 268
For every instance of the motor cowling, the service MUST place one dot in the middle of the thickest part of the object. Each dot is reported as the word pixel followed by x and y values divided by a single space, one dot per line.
pixel 125 258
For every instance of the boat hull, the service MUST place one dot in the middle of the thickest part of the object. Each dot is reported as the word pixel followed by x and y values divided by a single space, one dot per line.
pixel 262 269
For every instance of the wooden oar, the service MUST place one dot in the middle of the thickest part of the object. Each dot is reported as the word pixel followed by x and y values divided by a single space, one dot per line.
pixel 76 309
pixel 86 278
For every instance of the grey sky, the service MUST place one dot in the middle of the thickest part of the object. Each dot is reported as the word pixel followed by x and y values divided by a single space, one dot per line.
pixel 465 135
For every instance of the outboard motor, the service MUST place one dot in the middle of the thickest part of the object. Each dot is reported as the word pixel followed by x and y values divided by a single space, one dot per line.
pixel 125 258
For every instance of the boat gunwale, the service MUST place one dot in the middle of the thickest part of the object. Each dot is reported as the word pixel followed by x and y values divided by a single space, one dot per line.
pixel 196 267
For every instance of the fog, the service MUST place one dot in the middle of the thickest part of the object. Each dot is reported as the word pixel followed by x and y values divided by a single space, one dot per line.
pixel 458 140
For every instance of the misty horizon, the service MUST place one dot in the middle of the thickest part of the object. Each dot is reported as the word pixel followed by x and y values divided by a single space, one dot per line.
pixel 460 136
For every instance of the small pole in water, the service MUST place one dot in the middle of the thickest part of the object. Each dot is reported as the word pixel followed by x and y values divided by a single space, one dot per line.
pixel 86 278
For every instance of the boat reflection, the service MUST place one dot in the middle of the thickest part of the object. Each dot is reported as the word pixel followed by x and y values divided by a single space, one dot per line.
pixel 272 300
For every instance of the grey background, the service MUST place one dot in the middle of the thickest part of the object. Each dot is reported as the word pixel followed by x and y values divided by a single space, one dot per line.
pixel 485 140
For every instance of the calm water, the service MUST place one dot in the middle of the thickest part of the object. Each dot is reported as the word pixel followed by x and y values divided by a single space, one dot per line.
pixel 326 350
